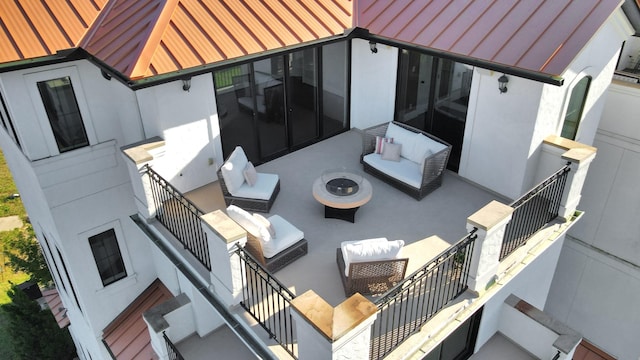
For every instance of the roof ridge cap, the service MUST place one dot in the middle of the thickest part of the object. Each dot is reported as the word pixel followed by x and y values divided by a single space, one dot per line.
pixel 153 40
pixel 95 24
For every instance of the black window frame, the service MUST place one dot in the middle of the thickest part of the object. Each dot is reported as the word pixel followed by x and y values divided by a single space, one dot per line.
pixel 110 264
pixel 62 111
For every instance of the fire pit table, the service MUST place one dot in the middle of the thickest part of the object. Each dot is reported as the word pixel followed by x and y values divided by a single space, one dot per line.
pixel 342 192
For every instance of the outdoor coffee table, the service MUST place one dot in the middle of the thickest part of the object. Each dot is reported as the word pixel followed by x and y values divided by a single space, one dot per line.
pixel 342 192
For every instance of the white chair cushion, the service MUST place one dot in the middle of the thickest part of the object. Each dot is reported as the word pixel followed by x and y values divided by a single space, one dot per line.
pixel 286 235
pixel 370 250
pixel 401 136
pixel 232 170
pixel 244 219
pixel 262 189
pixel 404 170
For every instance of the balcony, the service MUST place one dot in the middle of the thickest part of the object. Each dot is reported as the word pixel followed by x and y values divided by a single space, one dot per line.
pixel 429 228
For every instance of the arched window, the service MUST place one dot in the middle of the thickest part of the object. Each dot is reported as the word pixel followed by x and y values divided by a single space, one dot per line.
pixel 575 108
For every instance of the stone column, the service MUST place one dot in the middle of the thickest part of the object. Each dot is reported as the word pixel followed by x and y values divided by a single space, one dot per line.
pixel 580 159
pixel 136 156
pixel 580 156
pixel 223 235
pixel 327 333
pixel 491 222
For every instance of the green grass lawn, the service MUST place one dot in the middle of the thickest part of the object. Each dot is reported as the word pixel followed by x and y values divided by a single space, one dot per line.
pixel 8 206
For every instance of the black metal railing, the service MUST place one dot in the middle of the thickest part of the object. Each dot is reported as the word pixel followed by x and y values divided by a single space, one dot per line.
pixel 533 211
pixel 180 216
pixel 268 301
pixel 411 303
pixel 172 351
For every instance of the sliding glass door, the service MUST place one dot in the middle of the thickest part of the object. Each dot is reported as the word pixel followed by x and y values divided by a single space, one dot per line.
pixel 279 104
pixel 433 95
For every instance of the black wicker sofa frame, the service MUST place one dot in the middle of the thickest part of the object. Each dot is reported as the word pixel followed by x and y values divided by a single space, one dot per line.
pixel 434 166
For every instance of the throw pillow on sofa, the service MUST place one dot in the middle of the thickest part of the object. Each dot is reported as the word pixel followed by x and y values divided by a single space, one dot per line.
pixel 392 152
pixel 380 142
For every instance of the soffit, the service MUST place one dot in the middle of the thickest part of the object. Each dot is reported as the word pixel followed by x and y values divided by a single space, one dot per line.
pixel 534 35
pixel 30 29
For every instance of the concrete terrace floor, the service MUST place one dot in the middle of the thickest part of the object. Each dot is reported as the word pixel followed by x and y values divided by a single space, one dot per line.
pixel 390 213
pixel 428 227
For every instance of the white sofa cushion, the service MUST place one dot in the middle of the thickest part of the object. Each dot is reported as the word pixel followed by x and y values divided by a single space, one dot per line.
pixel 370 250
pixel 262 189
pixel 404 170
pixel 232 170
pixel 401 136
pixel 286 235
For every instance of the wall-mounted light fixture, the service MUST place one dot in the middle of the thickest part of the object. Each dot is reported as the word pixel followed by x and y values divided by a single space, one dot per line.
pixel 105 74
pixel 373 47
pixel 502 83
pixel 186 84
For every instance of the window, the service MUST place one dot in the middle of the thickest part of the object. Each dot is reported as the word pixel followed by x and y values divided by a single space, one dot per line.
pixel 64 114
pixel 575 108
pixel 461 343
pixel 106 252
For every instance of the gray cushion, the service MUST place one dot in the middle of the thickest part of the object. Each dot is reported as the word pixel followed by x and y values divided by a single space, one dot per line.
pixel 391 152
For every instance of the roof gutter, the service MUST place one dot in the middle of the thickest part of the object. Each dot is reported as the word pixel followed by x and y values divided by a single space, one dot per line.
pixel 511 70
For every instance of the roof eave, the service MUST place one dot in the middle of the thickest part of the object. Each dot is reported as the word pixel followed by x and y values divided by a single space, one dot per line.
pixel 511 70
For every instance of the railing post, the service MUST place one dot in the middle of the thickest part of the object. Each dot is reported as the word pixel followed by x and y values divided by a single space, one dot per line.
pixel 223 235
pixel 137 157
pixel 580 156
pixel 325 332
pixel 491 222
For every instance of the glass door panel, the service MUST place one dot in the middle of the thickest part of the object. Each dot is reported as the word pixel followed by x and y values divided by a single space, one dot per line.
pixel 453 84
pixel 234 97
pixel 415 80
pixel 270 106
pixel 334 88
pixel 302 94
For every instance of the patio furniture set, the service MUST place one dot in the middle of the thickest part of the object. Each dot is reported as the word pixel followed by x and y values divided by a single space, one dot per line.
pixel 407 158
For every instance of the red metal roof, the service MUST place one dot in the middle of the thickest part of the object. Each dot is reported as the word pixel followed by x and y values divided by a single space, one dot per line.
pixel 150 37
pixel 128 335
pixel 540 36
pixel 30 29
pixel 52 297
pixel 144 38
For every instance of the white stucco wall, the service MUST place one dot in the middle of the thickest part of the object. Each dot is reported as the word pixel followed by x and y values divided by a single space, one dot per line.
pixel 80 193
pixel 504 132
pixel 108 108
pixel 498 132
pixel 373 84
pixel 539 272
pixel 188 122
pixel 598 280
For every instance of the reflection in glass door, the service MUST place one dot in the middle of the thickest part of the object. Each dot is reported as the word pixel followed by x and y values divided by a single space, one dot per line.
pixel 270 114
pixel 433 95
pixel 302 96
pixel 279 104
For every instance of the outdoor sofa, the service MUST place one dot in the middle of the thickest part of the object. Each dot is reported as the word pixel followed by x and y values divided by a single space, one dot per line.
pixel 405 157
pixel 370 266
